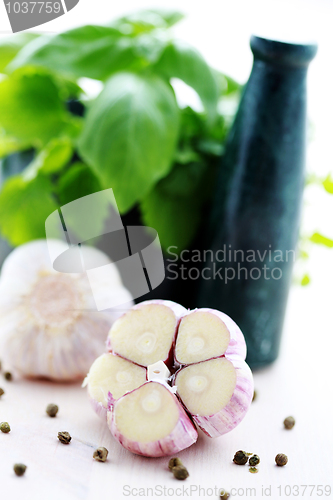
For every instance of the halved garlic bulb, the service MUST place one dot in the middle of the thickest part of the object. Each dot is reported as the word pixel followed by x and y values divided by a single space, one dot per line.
pixel 49 325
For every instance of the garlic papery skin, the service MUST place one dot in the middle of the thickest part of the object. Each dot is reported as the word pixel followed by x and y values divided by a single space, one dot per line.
pixel 49 325
pixel 150 421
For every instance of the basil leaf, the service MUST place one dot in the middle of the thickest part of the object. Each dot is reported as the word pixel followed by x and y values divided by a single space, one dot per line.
pixel 130 135
pixel 10 46
pixel 51 159
pixel 89 51
pixel 176 219
pixel 145 21
pixel 77 182
pixel 24 207
pixel 182 61
pixel 30 106
pixel 9 144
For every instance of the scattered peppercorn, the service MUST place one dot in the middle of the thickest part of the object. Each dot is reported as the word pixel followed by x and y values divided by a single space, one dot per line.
pixel 240 458
pixel 4 427
pixel 173 462
pixel 254 395
pixel 180 472
pixel 253 470
pixel 224 495
pixel 100 454
pixel 254 460
pixel 2 392
pixel 52 410
pixel 289 422
pixel 8 376
pixel 281 459
pixel 64 437
pixel 248 454
pixel 19 469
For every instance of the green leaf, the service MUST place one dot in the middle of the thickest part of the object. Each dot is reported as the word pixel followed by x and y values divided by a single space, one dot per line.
pixel 319 239
pixel 328 184
pixel 130 135
pixel 149 47
pixel 30 106
pixel 226 85
pixel 175 219
pixel 51 159
pixel 211 147
pixel 145 21
pixel 77 182
pixel 10 46
pixel 183 180
pixel 69 89
pixel 186 155
pixel 174 206
pixel 89 51
pixel 9 144
pixel 24 207
pixel 305 280
pixel 186 63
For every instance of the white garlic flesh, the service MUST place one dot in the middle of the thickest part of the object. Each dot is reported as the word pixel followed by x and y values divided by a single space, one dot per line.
pixel 49 324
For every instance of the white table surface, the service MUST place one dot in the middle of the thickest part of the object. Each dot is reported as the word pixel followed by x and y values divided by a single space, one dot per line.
pixel 298 384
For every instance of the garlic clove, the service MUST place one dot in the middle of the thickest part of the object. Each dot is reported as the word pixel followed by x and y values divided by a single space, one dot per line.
pixel 206 333
pixel 217 393
pixel 146 333
pixel 150 421
pixel 111 374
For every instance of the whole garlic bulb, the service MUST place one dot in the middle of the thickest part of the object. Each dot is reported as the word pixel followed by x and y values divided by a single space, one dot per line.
pixel 49 325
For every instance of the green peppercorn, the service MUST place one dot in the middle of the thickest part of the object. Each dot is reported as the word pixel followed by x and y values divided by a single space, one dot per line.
pixel 64 437
pixel 253 470
pixel 8 376
pixel 52 410
pixel 4 427
pixel 100 454
pixel 173 462
pixel 240 458
pixel 289 423
pixel 180 472
pixel 19 469
pixel 2 392
pixel 254 460
pixel 224 495
pixel 281 459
